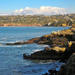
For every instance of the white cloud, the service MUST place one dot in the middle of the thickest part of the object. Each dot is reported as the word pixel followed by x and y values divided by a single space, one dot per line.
pixel 43 10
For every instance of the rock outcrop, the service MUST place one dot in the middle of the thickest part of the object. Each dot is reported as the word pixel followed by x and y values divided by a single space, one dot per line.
pixel 58 53
pixel 69 68
pixel 44 55
pixel 60 38
pixel 62 45
pixel 69 57
pixel 33 40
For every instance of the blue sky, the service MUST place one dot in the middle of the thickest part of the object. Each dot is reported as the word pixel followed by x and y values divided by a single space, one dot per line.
pixel 7 6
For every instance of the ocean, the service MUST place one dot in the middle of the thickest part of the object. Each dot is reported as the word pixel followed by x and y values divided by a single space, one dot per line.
pixel 11 57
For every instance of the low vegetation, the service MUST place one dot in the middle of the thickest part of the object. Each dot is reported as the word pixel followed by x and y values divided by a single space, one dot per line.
pixel 40 20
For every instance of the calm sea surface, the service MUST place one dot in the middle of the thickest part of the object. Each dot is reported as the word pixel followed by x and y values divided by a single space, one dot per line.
pixel 11 57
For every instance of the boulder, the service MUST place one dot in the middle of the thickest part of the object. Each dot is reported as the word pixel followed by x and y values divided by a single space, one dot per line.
pixel 69 68
pixel 45 55
pixel 54 53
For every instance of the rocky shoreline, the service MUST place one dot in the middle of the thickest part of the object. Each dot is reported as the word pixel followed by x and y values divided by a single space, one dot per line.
pixel 60 43
pixel 61 47
pixel 67 69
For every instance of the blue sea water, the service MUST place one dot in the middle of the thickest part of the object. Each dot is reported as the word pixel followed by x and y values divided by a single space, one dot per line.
pixel 11 57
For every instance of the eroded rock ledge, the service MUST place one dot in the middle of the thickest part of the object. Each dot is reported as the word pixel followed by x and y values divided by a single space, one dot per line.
pixel 66 69
pixel 69 67
pixel 61 44
pixel 55 38
pixel 69 56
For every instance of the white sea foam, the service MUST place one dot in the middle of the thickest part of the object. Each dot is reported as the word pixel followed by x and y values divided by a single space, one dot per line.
pixel 2 45
pixel 36 50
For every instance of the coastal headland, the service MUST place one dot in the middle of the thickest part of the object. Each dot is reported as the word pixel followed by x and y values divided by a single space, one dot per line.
pixel 37 20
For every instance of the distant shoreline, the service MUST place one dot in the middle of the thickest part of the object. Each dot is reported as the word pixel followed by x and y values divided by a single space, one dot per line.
pixel 41 20
pixel 33 26
pixel 18 25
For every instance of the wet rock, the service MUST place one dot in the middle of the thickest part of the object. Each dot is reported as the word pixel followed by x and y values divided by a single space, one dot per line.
pixel 60 41
pixel 45 55
pixel 62 70
pixel 33 40
pixel 52 72
pixel 56 38
pixel 53 40
pixel 55 53
pixel 72 48
pixel 45 74
pixel 26 56
pixel 47 48
pixel 68 55
pixel 62 46
pixel 17 43
pixel 69 51
pixel 69 68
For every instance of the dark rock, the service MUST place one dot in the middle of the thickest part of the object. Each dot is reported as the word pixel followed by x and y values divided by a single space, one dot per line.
pixel 33 40
pixel 68 52
pixel 52 72
pixel 45 74
pixel 62 70
pixel 53 40
pixel 70 37
pixel 58 38
pixel 73 47
pixel 16 43
pixel 69 68
pixel 49 53
pixel 60 41
pixel 26 56
pixel 45 55
pixel 47 48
